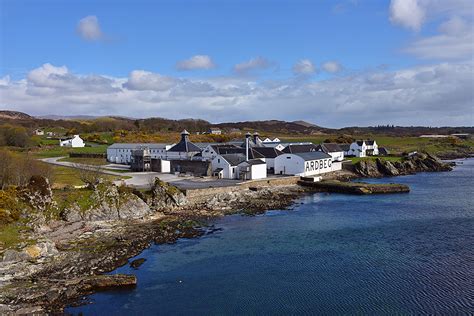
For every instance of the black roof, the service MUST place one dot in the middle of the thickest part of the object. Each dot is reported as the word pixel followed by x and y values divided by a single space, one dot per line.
pixel 185 145
pixel 369 142
pixel 234 159
pixel 267 152
pixel 314 155
pixel 345 147
pixel 383 151
pixel 254 162
pixel 329 147
pixel 293 149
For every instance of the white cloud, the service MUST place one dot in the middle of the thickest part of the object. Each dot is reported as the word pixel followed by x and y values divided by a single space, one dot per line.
pixel 331 66
pixel 143 80
pixel 304 67
pixel 454 26
pixel 443 47
pixel 257 63
pixel 196 62
pixel 5 81
pixel 407 13
pixel 439 94
pixel 88 29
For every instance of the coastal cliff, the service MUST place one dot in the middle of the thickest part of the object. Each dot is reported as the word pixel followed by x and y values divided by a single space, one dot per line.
pixel 420 162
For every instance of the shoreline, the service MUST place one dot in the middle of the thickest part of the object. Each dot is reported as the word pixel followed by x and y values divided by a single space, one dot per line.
pixel 107 246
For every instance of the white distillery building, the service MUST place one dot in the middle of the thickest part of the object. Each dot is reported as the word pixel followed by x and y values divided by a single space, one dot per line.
pixel 363 148
pixel 184 149
pixel 236 166
pixel 122 152
pixel 305 164
pixel 74 142
pixel 252 169
pixel 226 166
pixel 334 150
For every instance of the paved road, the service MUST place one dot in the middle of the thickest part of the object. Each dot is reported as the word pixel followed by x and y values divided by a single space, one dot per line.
pixel 137 179
pixel 145 179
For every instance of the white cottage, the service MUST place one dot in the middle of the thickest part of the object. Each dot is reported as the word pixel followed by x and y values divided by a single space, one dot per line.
pixel 74 142
pixel 305 164
pixel 363 148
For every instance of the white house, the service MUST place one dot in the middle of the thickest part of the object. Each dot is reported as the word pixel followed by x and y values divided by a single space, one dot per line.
pixel 252 169
pixel 334 150
pixel 74 142
pixel 226 166
pixel 39 132
pixel 306 164
pixel 363 148
pixel 215 131
pixel 122 152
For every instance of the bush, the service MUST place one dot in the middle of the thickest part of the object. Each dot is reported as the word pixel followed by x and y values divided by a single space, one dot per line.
pixel 10 209
pixel 16 170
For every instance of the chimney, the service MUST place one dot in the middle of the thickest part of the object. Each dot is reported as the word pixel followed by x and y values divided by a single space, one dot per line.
pixel 185 136
pixel 247 139
pixel 255 138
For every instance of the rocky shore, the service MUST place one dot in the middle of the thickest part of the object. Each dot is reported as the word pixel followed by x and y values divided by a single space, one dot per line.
pixel 96 230
pixel 360 188
pixel 420 162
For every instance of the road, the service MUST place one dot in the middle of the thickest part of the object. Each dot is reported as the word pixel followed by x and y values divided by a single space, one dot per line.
pixel 143 180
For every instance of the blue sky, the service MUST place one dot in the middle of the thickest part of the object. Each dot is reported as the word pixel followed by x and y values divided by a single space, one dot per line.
pixel 366 40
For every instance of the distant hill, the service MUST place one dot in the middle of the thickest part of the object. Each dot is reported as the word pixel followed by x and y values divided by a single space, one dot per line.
pixel 92 124
pixel 14 115
pixel 276 126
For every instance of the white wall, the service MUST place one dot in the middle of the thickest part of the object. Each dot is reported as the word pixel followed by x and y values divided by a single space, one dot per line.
pixel 337 156
pixel 291 164
pixel 259 171
pixel 74 142
pixel 229 172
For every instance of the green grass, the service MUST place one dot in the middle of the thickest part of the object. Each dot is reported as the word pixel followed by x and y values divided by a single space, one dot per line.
pixel 70 177
pixel 86 161
pixel 387 158
pixel 57 151
pixel 398 145
pixel 11 235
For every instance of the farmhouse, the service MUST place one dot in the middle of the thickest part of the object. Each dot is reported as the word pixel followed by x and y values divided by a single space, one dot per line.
pixel 74 142
pixel 305 164
pixel 214 131
pixel 363 148
pixel 38 132
pixel 334 150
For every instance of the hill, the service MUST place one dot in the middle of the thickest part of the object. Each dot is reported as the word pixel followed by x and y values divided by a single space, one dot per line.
pixel 14 115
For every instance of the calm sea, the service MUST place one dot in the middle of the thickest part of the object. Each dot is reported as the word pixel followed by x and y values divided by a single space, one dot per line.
pixel 331 254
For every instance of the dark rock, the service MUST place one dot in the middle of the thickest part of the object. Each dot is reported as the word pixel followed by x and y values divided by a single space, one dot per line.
pixel 367 168
pixel 137 263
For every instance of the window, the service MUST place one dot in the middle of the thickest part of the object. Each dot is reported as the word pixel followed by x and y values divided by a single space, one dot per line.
pixel 218 161
pixel 288 157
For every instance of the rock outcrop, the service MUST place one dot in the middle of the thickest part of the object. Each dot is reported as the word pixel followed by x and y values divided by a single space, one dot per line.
pixel 420 162
pixel 105 202
pixel 166 196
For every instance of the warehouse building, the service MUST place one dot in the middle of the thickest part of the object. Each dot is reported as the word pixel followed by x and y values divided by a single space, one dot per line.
pixel 122 152
pixel 305 164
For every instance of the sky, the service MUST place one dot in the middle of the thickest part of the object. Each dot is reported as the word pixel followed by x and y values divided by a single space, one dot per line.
pixel 332 63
